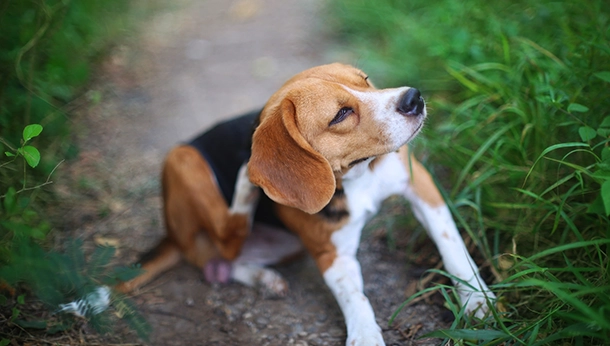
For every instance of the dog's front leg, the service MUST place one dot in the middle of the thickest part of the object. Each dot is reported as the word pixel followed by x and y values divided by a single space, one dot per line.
pixel 472 290
pixel 246 195
pixel 431 210
pixel 236 229
pixel 344 279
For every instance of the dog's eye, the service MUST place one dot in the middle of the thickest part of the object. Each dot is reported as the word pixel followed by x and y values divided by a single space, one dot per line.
pixel 342 114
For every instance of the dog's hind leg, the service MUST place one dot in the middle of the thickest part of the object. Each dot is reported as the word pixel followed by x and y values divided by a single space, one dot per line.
pixel 266 245
pixel 194 205
pixel 159 259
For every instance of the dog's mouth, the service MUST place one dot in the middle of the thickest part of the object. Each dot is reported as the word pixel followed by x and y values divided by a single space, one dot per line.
pixel 414 133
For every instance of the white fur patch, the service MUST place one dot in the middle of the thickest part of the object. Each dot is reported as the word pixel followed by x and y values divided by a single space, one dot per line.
pixel 92 304
pixel 246 194
pixel 365 192
pixel 440 226
pixel 345 281
pixel 383 103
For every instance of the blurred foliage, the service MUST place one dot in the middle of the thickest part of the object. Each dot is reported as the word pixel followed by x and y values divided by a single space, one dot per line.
pixel 519 129
pixel 48 50
pixel 67 283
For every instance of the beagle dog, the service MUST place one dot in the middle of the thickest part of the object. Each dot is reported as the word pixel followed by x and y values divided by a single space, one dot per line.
pixel 326 150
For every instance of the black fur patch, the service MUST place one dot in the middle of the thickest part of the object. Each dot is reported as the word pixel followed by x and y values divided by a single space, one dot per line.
pixel 336 209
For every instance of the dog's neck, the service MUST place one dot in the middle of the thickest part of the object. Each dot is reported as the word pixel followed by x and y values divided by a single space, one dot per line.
pixel 357 170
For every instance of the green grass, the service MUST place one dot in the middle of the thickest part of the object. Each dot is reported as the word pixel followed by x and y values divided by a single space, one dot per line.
pixel 518 135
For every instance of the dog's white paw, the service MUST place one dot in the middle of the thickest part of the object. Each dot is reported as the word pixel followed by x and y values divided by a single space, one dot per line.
pixel 477 302
pixel 269 281
pixel 272 283
pixel 371 340
pixel 366 336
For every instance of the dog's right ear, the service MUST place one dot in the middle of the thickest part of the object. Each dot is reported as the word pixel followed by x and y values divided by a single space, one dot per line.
pixel 285 165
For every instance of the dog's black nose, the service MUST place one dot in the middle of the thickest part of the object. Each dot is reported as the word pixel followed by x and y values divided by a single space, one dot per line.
pixel 411 103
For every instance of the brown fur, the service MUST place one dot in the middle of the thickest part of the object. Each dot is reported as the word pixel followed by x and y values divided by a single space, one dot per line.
pixel 421 180
pixel 314 231
pixel 197 219
pixel 282 169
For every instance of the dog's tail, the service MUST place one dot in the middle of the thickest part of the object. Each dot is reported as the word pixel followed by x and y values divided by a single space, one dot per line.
pixel 161 258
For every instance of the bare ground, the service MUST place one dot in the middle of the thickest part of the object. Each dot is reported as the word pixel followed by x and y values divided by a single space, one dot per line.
pixel 186 69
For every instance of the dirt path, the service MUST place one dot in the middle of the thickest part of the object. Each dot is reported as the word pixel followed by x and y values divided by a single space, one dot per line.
pixel 191 67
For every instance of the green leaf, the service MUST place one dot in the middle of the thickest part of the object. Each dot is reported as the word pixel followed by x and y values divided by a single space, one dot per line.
pixel 467 334
pixel 603 132
pixel 125 273
pixel 601 175
pixel 99 260
pixel 605 122
pixel 31 131
pixel 577 107
pixel 597 206
pixel 32 324
pixel 60 327
pixel 605 193
pixel 20 228
pixel 10 200
pixel 31 155
pixel 606 154
pixel 14 314
pixel 21 299
pixel 4 342
pixel 95 96
pixel 587 133
pixel 604 75
pixel 9 154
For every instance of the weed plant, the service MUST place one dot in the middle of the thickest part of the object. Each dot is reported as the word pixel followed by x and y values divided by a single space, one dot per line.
pixel 519 132
pixel 62 281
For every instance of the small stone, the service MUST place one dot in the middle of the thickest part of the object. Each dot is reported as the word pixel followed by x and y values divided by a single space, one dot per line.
pixel 321 318
pixel 316 341
pixel 262 321
pixel 190 301
pixel 297 328
pixel 335 332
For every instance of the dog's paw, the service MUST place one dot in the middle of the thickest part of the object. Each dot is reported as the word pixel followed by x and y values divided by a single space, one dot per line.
pixel 272 284
pixel 366 337
pixel 217 270
pixel 477 302
pixel 268 281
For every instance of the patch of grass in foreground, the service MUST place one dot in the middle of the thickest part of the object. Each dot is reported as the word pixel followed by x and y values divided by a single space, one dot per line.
pixel 520 128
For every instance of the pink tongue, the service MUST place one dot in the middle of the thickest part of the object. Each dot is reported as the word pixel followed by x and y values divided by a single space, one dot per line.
pixel 217 270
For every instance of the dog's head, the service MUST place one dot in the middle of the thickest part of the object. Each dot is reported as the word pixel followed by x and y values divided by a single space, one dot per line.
pixel 324 123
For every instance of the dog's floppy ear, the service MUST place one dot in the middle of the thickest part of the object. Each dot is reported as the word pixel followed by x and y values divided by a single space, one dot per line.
pixel 285 165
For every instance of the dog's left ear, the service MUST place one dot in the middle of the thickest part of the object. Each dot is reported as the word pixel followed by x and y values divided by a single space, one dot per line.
pixel 285 165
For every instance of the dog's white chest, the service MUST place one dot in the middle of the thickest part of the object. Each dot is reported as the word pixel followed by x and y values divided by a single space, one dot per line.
pixel 365 192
